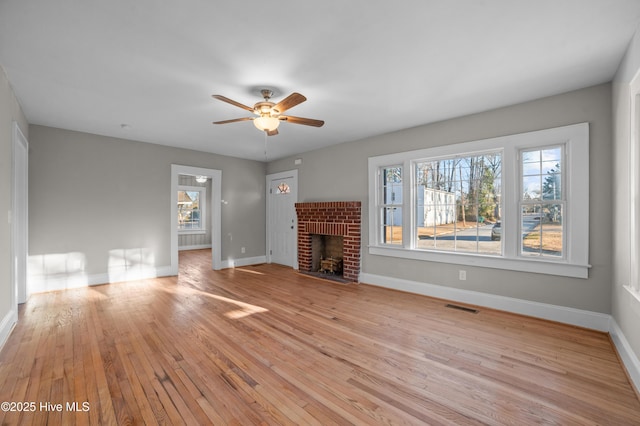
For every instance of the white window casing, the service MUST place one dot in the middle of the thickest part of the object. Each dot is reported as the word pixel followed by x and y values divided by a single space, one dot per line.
pixel 574 262
pixel 634 188
pixel 202 190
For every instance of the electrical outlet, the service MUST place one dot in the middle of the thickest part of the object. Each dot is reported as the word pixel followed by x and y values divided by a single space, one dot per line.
pixel 242 250
pixel 462 275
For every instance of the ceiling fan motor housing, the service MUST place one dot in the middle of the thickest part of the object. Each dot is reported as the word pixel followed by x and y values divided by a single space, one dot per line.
pixel 265 108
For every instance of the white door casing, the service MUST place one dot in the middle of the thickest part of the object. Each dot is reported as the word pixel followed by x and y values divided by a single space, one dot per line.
pixel 281 223
pixel 215 211
pixel 20 217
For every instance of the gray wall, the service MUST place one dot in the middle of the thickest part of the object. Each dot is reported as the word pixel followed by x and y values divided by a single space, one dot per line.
pixel 340 173
pixel 90 195
pixel 10 111
pixel 626 309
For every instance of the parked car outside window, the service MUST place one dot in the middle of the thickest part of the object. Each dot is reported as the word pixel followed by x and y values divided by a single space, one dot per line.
pixel 496 231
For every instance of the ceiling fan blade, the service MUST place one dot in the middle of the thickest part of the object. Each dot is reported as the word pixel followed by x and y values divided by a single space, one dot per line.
pixel 272 132
pixel 289 102
pixel 233 120
pixel 232 102
pixel 301 120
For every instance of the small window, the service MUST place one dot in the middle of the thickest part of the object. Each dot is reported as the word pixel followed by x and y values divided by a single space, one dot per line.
pixel 283 188
pixel 191 209
pixel 391 207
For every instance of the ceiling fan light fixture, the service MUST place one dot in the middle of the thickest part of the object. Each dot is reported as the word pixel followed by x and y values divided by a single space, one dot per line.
pixel 269 114
pixel 266 123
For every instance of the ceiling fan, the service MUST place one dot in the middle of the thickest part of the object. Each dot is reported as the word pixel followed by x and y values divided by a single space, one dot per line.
pixel 269 114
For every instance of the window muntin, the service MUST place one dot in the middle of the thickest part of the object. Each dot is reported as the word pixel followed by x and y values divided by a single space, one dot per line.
pixel 567 204
pixel 283 188
pixel 458 202
pixel 391 207
pixel 542 202
pixel 191 209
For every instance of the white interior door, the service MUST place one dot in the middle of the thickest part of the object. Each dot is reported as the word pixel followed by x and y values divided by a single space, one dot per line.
pixel 282 229
pixel 20 216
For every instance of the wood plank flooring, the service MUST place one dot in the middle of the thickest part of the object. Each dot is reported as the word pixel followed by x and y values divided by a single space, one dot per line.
pixel 266 345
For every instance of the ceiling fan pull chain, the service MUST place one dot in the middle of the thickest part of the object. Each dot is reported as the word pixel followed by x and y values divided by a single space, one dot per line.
pixel 265 146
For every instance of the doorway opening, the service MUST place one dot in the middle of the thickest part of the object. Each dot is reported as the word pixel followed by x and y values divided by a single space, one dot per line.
pixel 195 212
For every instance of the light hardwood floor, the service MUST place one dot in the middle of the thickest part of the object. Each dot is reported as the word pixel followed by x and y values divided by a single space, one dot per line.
pixel 266 345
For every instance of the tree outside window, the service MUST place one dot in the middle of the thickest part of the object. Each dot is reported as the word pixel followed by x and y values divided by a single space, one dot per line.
pixel 189 210
pixel 457 200
pixel 542 202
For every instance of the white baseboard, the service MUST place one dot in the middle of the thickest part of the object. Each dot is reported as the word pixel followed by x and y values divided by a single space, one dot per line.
pixel 629 358
pixel 6 326
pixel 196 247
pixel 581 318
pixel 40 283
pixel 244 261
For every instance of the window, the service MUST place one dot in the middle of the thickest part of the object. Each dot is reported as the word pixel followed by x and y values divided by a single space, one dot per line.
pixel 634 188
pixel 191 209
pixel 457 200
pixel 541 202
pixel 516 202
pixel 283 188
pixel 391 209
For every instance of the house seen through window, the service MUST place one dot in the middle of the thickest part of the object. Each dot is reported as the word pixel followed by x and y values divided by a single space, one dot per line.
pixel 457 201
pixel 191 206
pixel 542 202
pixel 517 202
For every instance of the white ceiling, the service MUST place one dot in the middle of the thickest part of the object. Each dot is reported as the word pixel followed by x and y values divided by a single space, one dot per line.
pixel 366 67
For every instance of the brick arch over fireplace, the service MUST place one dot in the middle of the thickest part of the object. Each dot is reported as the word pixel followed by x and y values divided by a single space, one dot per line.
pixel 340 218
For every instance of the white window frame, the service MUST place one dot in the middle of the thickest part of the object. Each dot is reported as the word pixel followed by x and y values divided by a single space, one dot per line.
pixel 414 185
pixel 202 190
pixel 575 259
pixel 382 208
pixel 561 201
pixel 634 187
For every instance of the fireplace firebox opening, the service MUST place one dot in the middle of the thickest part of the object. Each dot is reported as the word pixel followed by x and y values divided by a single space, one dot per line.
pixel 326 254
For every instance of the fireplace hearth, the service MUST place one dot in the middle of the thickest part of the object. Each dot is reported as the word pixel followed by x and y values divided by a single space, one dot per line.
pixel 329 239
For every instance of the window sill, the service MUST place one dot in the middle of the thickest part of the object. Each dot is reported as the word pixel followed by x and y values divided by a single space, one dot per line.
pixel 529 265
pixel 192 232
pixel 634 293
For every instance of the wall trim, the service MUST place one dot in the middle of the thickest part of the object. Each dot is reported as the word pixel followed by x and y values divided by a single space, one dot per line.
pixel 67 281
pixel 245 261
pixel 6 326
pixel 628 357
pixel 40 284
pixel 578 317
pixel 196 247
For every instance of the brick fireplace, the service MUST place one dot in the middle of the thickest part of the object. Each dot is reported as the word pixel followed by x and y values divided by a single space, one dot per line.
pixel 334 218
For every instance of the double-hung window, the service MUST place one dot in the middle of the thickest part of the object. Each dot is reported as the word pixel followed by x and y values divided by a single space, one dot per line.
pixel 191 206
pixel 542 202
pixel 518 202
pixel 391 207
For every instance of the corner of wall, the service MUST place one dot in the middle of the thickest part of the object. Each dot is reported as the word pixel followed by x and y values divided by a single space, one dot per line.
pixel 626 353
pixel 6 326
